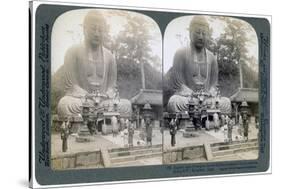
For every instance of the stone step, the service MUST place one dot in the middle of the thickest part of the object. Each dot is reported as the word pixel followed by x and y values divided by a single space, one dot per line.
pixel 228 157
pixel 134 157
pixel 234 142
pixel 134 148
pixel 84 134
pixel 234 146
pixel 135 152
pixel 83 139
pixel 126 164
pixel 232 151
pixel 148 161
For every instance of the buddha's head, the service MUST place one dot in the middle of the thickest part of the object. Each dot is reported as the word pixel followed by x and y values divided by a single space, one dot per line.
pixel 94 28
pixel 199 30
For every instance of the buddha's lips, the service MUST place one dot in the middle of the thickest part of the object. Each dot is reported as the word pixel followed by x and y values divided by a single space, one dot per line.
pixel 200 42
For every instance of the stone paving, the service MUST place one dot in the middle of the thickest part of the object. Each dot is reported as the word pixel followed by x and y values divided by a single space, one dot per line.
pixel 203 136
pixel 122 140
pixel 109 141
pixel 212 136
pixel 99 141
pixel 251 155
pixel 142 162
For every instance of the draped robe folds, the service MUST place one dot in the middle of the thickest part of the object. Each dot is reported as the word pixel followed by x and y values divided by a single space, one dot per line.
pixel 76 84
pixel 181 78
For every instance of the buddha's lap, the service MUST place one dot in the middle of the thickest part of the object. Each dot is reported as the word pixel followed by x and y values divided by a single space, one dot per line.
pixel 69 105
pixel 179 103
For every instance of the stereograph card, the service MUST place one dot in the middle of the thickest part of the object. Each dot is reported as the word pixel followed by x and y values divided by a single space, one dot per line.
pixel 120 94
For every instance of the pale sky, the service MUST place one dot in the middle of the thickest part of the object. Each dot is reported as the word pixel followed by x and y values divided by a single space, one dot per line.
pixel 179 27
pixel 68 31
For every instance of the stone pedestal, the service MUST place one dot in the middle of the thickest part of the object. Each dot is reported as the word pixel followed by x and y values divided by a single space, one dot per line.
pixel 84 134
pixel 188 134
pixel 188 126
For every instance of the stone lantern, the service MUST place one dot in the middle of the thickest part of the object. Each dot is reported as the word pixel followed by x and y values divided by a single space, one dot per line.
pixel 84 134
pixel 147 111
pixel 85 110
pixel 191 107
pixel 244 109
pixel 147 116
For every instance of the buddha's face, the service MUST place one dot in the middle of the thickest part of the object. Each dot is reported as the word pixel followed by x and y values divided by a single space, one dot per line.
pixel 198 35
pixel 94 33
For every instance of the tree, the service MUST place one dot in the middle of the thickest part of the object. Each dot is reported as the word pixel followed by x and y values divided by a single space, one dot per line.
pixel 232 52
pixel 134 55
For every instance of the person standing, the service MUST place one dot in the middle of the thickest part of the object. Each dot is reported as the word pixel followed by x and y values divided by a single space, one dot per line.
pixel 229 129
pixel 240 121
pixel 115 129
pixel 149 130
pixel 64 134
pixel 225 128
pixel 216 121
pixel 131 135
pixel 245 126
pixel 173 131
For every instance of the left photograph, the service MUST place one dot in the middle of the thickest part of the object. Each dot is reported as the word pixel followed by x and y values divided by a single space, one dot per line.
pixel 106 90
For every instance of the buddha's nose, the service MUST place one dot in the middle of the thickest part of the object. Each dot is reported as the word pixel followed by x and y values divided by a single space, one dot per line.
pixel 200 35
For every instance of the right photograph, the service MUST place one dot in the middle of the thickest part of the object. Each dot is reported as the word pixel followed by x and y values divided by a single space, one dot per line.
pixel 210 90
